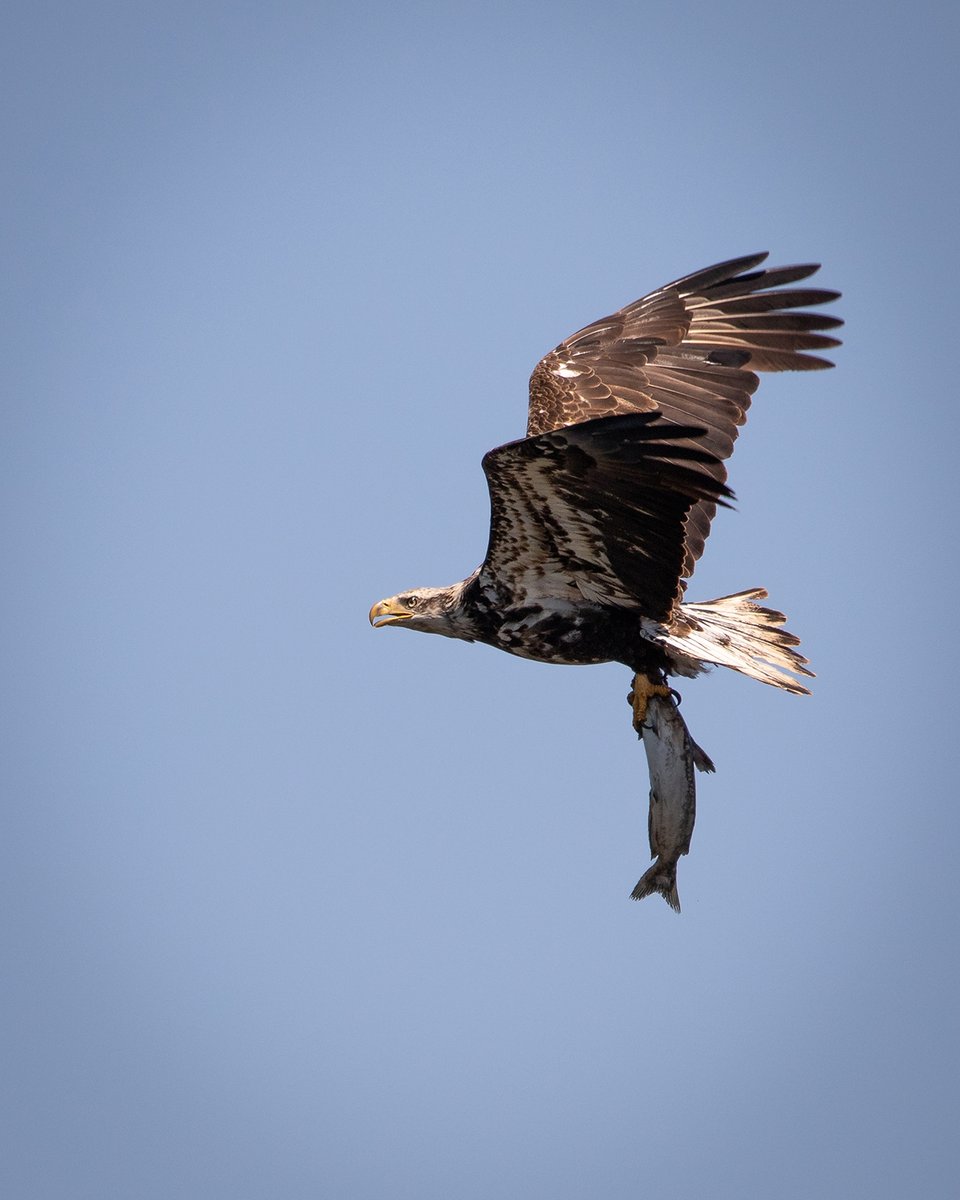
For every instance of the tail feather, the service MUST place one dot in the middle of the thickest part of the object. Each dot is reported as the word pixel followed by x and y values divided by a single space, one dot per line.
pixel 734 631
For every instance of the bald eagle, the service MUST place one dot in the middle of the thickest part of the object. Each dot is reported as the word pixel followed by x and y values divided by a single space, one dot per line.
pixel 599 515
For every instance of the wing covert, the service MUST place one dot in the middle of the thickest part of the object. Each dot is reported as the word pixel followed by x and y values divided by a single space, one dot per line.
pixel 690 350
pixel 596 511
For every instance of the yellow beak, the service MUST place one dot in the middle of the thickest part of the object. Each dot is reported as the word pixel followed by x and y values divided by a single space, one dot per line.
pixel 388 612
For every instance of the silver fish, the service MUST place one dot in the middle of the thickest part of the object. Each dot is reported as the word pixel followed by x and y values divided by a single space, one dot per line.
pixel 672 755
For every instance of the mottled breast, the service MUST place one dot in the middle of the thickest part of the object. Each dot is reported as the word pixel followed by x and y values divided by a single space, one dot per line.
pixel 573 637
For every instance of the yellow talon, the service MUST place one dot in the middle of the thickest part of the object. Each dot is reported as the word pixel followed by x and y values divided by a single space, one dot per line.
pixel 639 697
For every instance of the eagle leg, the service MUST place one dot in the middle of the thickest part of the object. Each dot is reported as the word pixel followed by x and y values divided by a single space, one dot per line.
pixel 639 697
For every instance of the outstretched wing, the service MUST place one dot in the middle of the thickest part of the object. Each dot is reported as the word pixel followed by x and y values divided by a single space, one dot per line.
pixel 596 511
pixel 683 351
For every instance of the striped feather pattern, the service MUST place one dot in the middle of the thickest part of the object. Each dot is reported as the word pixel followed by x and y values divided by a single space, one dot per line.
pixel 690 350
pixel 595 512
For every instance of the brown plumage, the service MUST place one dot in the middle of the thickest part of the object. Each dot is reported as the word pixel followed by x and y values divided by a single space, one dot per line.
pixel 598 515
pixel 683 351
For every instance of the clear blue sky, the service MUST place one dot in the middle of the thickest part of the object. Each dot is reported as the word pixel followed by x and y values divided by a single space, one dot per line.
pixel 292 908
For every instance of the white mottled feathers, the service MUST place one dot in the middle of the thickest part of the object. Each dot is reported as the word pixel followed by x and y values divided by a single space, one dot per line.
pixel 595 512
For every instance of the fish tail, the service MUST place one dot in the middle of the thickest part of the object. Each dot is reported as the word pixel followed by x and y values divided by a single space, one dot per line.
pixel 662 878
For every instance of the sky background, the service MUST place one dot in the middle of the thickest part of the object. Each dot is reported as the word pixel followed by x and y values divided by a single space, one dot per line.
pixel 293 908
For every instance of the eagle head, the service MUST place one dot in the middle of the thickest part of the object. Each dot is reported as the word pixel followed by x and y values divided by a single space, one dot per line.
pixel 429 609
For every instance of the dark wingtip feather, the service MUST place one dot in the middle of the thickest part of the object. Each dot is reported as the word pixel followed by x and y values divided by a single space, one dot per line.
pixel 711 276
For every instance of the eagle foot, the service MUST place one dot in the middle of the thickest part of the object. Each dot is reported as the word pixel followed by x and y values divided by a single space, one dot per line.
pixel 639 697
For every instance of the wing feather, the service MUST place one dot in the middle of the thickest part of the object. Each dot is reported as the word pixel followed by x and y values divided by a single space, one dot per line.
pixel 596 511
pixel 684 351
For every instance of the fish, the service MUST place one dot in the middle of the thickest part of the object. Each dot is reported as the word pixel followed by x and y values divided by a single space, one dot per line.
pixel 672 759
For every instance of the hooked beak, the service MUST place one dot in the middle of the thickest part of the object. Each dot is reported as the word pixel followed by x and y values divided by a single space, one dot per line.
pixel 388 612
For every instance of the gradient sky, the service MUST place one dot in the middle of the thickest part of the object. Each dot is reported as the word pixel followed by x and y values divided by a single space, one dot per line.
pixel 293 908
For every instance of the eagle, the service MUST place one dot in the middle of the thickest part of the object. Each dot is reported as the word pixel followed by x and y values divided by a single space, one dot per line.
pixel 599 514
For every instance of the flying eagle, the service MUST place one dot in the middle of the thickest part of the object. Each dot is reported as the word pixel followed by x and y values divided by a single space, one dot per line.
pixel 598 515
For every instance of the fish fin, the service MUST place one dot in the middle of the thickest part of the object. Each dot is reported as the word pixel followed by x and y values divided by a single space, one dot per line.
pixel 662 878
pixel 701 759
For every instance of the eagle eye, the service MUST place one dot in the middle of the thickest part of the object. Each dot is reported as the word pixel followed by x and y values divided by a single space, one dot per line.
pixel 411 601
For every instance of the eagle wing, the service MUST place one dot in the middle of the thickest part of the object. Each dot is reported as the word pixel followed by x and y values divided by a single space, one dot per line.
pixel 683 351
pixel 596 511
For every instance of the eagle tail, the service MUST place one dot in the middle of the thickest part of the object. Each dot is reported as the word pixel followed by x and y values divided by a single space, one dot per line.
pixel 736 632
